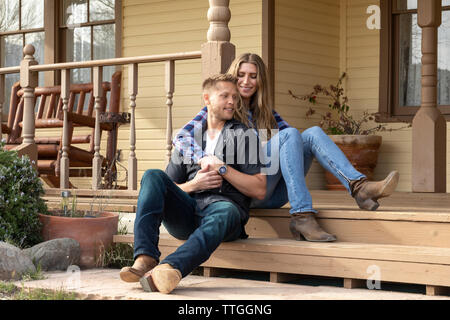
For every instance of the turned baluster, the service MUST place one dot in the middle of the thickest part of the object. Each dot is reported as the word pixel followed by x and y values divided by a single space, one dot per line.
pixel 169 85
pixel 65 91
pixel 97 161
pixel 132 91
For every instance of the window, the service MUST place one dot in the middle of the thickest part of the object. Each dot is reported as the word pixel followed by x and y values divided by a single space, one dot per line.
pixel 88 29
pixel 70 30
pixel 21 23
pixel 400 60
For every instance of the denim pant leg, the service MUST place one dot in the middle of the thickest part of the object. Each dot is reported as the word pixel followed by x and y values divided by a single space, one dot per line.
pixel 319 145
pixel 160 200
pixel 221 221
pixel 289 182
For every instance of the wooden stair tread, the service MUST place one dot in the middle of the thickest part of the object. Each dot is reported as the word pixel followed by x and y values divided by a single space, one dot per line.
pixel 368 251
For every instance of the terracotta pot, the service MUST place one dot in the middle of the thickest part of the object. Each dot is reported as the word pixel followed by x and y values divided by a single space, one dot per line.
pixel 361 151
pixel 94 234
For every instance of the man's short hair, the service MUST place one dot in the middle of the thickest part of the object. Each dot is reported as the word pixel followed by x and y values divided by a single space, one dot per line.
pixel 212 81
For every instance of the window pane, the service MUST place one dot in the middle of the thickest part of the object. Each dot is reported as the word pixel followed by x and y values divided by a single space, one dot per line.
pixel 101 10
pixel 410 61
pixel 443 60
pixel 406 4
pixel 11 57
pixel 32 14
pixel 9 15
pixel 78 48
pixel 75 11
pixel 37 40
pixel 410 56
pixel 105 46
pixel 445 2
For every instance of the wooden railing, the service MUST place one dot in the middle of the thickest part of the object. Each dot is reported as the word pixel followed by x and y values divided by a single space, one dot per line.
pixel 29 73
pixel 216 55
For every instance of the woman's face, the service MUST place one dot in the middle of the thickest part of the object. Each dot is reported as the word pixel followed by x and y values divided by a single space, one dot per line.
pixel 247 80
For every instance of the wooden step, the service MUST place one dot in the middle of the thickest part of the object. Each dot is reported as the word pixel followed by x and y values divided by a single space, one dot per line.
pixel 427 266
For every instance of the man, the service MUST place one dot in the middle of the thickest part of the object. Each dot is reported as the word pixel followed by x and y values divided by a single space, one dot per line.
pixel 203 203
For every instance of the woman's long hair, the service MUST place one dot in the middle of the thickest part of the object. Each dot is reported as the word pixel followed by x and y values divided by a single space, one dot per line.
pixel 260 103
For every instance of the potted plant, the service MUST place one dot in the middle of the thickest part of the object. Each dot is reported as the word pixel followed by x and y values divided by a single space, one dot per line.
pixel 356 137
pixel 93 229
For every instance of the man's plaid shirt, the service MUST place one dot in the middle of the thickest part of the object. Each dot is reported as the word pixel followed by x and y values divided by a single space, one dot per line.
pixel 184 140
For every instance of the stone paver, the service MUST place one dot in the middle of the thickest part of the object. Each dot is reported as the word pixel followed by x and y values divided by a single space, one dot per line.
pixel 106 284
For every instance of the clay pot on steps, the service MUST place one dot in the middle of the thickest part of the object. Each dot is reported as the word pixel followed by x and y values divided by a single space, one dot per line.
pixel 362 152
pixel 95 234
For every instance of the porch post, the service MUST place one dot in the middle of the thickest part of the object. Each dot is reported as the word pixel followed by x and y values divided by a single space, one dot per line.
pixel 2 101
pixel 218 52
pixel 429 128
pixel 28 81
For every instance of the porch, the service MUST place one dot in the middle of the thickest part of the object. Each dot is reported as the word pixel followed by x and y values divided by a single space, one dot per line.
pixel 407 240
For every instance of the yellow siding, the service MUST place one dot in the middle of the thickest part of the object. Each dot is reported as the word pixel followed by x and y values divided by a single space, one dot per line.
pixel 306 54
pixel 157 27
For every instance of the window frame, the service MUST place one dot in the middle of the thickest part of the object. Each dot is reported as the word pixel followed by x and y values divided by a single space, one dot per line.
pixel 389 108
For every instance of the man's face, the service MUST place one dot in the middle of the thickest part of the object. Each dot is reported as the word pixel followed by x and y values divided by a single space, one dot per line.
pixel 222 100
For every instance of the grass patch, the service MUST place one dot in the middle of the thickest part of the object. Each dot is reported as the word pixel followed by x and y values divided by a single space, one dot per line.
pixel 9 291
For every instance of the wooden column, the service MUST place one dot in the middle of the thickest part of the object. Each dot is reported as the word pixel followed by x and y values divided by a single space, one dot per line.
pixel 65 91
pixel 170 87
pixel 28 81
pixel 132 91
pixel 218 52
pixel 429 128
pixel 97 161
pixel 2 101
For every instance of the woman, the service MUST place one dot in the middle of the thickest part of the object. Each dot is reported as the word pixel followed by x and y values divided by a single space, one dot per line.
pixel 295 150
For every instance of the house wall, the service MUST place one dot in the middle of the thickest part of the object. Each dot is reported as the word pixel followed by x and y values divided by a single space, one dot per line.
pixel 306 54
pixel 157 27
pixel 361 62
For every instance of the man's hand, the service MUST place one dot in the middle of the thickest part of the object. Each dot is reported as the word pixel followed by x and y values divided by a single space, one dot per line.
pixel 211 162
pixel 205 179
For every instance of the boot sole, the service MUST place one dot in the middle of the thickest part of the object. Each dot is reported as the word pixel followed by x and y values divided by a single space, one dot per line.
pixel 300 237
pixel 131 275
pixel 147 284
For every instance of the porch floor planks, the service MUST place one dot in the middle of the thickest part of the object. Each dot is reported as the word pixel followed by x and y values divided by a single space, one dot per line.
pixel 405 264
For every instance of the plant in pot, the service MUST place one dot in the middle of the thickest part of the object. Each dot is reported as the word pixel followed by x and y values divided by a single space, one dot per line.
pixel 20 200
pixel 93 229
pixel 356 137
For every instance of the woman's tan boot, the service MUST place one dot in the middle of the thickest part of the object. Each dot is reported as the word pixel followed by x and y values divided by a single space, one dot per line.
pixel 142 265
pixel 366 193
pixel 163 278
pixel 304 225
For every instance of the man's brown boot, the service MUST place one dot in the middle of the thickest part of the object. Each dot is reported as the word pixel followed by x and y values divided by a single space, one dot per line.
pixel 304 224
pixel 366 193
pixel 162 278
pixel 142 264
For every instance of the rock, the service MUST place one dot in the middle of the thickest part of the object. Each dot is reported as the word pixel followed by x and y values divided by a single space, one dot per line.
pixel 56 254
pixel 13 262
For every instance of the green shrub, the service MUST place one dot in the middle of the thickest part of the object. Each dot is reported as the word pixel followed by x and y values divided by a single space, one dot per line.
pixel 20 200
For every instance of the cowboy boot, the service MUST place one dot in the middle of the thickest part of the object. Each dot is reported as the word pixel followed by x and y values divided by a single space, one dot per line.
pixel 162 278
pixel 304 225
pixel 366 193
pixel 142 265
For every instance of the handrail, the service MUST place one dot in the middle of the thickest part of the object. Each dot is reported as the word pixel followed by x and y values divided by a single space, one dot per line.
pixel 107 62
pixel 117 61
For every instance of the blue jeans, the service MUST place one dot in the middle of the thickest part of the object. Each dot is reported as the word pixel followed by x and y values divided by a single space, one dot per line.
pixel 296 152
pixel 161 201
